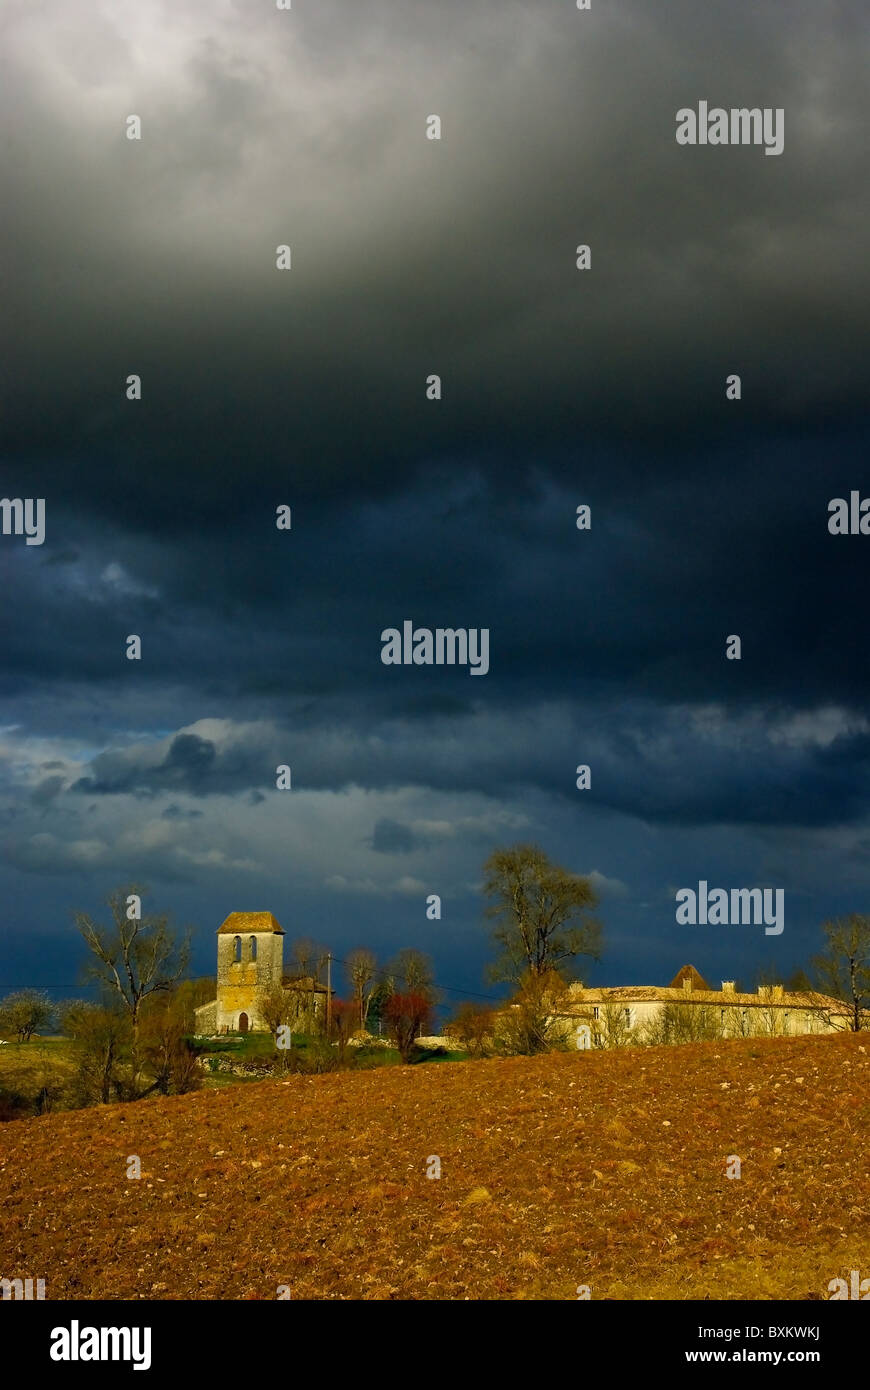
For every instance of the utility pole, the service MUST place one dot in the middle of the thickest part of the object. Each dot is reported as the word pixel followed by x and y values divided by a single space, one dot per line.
pixel 328 993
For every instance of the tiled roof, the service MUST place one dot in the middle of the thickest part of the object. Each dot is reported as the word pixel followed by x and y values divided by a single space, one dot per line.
pixel 626 994
pixel 688 972
pixel 238 923
pixel 303 982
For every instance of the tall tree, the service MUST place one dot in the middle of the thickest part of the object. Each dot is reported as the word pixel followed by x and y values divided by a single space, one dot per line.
pixel 308 959
pixel 540 913
pixel 134 957
pixel 412 972
pixel 383 987
pixel 843 970
pixel 362 972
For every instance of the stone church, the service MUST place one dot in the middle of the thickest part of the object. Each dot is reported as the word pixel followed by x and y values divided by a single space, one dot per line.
pixel 250 962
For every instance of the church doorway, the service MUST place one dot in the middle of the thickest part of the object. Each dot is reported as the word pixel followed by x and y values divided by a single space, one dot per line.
pixel 243 1023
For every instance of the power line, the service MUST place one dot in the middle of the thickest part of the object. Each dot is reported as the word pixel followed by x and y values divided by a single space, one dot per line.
pixel 78 987
pixel 450 989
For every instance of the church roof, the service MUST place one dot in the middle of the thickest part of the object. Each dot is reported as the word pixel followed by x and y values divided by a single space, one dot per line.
pixel 238 923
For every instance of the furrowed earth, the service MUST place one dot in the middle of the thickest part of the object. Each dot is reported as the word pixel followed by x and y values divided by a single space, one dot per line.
pixel 605 1169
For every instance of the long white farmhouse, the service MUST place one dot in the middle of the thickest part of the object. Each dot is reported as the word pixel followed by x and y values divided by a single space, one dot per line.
pixel 688 1007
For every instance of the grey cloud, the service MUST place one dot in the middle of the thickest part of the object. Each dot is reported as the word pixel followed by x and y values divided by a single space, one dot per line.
pixel 174 812
pixel 390 837
pixel 189 762
pixel 47 790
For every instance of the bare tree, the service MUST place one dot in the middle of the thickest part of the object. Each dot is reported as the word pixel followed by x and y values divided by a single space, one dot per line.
pixel 303 955
pixel 133 958
pixel 102 1035
pixel 473 1027
pixel 615 1026
pixel 412 972
pixel 308 959
pixel 681 1023
pixel 769 1016
pixel 166 1050
pixel 362 971
pixel 540 913
pixel 738 1021
pixel 189 994
pixel 843 970
pixel 535 1019
pixel 276 1006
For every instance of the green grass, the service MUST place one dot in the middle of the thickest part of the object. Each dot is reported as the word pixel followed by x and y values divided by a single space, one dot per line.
pixel 33 1074
pixel 22 1063
pixel 243 1046
pixel 442 1057
pixel 367 1058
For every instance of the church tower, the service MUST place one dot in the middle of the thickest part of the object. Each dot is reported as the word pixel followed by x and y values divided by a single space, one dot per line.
pixel 250 958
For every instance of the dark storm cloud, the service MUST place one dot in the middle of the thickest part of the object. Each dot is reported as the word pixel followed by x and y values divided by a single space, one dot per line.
pixel 411 257
pixel 642 603
pixel 687 766
pixel 605 387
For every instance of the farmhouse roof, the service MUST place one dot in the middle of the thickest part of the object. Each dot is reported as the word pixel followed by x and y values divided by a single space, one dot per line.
pixel 304 982
pixel 627 994
pixel 238 923
pixel 688 972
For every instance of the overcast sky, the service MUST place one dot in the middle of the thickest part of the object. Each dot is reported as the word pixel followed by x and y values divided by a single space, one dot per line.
pixel 307 388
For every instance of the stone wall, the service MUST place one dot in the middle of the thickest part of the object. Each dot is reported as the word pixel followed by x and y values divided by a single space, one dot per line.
pixel 206 1019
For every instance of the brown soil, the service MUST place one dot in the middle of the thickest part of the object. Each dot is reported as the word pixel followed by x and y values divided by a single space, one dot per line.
pixel 599 1169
